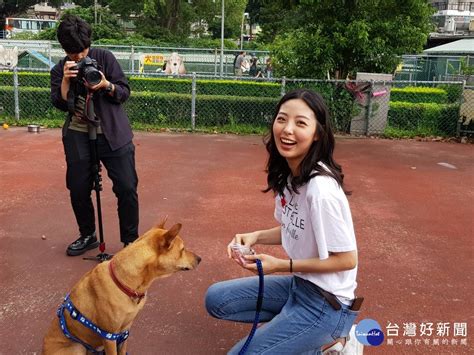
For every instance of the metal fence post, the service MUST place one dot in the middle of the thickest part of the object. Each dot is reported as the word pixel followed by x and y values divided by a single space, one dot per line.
pixel 458 126
pixel 193 102
pixel 16 93
pixel 49 54
pixel 369 107
pixel 283 84
pixel 215 61
pixel 132 56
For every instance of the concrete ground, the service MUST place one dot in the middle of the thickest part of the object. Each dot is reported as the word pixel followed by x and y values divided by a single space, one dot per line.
pixel 412 205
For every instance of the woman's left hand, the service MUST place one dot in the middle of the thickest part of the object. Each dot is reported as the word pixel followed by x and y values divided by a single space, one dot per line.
pixel 270 264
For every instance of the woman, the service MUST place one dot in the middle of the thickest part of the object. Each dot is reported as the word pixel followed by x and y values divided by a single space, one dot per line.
pixel 309 309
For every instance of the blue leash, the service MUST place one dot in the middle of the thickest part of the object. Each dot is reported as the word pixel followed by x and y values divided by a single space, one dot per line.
pixel 259 308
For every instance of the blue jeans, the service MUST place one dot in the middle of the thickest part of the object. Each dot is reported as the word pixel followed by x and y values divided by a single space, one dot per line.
pixel 299 318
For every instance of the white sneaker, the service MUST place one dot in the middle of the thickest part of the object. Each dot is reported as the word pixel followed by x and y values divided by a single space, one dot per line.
pixel 352 346
pixel 334 349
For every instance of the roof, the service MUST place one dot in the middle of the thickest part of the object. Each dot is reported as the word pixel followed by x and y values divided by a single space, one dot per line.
pixel 462 46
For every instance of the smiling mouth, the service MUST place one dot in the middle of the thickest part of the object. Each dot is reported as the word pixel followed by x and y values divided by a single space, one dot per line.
pixel 286 141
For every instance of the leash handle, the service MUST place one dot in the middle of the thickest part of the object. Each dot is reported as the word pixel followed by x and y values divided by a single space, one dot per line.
pixel 259 308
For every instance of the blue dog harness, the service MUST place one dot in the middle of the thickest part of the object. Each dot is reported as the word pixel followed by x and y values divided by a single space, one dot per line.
pixel 76 315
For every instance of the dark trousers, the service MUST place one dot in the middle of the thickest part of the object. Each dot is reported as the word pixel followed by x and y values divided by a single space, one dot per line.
pixel 120 165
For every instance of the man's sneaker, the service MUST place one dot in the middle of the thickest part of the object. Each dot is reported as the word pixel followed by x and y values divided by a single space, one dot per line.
pixel 82 244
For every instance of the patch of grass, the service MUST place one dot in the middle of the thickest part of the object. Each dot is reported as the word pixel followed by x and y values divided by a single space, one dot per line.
pixel 238 128
pixel 43 122
pixel 392 132
pixel 235 128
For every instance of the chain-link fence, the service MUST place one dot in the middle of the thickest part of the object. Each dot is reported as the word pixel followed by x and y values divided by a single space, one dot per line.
pixel 393 108
pixel 466 112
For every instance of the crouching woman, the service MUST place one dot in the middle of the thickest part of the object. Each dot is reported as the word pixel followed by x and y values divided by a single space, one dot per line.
pixel 312 308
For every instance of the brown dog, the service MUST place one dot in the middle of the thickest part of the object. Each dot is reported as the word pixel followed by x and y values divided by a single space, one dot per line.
pixel 112 294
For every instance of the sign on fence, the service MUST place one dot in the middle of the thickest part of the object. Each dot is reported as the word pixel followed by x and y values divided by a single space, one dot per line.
pixel 153 59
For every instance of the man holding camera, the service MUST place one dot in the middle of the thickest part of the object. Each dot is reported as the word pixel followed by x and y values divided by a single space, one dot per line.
pixel 92 76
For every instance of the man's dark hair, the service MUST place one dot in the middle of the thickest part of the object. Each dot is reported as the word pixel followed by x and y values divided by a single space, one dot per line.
pixel 74 34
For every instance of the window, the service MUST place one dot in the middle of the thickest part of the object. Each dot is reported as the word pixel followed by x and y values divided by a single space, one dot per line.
pixel 463 6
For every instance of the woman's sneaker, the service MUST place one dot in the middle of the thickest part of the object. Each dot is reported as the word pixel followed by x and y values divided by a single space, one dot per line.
pixel 351 347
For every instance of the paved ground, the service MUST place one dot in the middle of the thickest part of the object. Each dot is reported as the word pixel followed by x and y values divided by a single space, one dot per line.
pixel 413 220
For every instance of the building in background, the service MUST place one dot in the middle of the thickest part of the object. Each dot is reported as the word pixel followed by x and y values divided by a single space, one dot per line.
pixel 43 11
pixel 454 20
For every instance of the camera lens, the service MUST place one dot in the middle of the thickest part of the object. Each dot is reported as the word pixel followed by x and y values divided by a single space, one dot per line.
pixel 92 76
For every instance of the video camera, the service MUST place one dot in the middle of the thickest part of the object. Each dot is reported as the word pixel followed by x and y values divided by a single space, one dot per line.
pixel 88 70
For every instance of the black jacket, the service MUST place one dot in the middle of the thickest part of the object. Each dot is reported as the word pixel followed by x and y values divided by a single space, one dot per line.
pixel 114 120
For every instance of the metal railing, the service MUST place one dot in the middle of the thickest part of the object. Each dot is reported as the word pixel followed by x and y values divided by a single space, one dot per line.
pixel 205 61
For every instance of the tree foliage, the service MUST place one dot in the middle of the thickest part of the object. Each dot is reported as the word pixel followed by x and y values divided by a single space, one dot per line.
pixel 107 24
pixel 342 37
pixel 172 19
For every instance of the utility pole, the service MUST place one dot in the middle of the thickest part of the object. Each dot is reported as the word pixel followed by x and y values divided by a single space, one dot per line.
pixel 222 39
pixel 95 12
pixel 244 16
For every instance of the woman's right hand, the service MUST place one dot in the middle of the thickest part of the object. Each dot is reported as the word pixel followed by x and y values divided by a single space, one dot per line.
pixel 246 239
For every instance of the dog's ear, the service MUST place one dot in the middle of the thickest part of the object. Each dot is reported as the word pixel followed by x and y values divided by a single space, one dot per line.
pixel 169 236
pixel 161 225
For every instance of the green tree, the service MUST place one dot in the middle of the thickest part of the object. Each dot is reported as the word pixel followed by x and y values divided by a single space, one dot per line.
pixel 342 37
pixel 173 18
pixel 107 23
pixel 253 8
pixel 233 12
pixel 165 18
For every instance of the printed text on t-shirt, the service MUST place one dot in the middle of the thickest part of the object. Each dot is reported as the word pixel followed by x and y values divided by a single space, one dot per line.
pixel 296 222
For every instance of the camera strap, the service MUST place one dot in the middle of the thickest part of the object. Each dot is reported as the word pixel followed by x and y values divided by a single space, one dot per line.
pixel 89 113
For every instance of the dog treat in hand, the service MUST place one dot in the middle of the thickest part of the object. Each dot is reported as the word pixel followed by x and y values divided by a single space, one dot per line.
pixel 238 252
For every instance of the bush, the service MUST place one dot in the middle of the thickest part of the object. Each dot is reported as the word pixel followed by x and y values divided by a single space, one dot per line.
pixel 6 78
pixel 35 103
pixel 159 108
pixel 220 110
pixel 419 94
pixel 238 88
pixel 339 101
pixel 206 87
pixel 424 118
pixel 211 110
pixel 26 79
pixel 454 92
pixel 180 86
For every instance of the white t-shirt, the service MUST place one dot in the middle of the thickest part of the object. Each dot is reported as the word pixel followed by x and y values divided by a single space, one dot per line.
pixel 315 222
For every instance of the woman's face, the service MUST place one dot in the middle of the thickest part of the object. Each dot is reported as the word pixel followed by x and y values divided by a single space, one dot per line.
pixel 294 130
